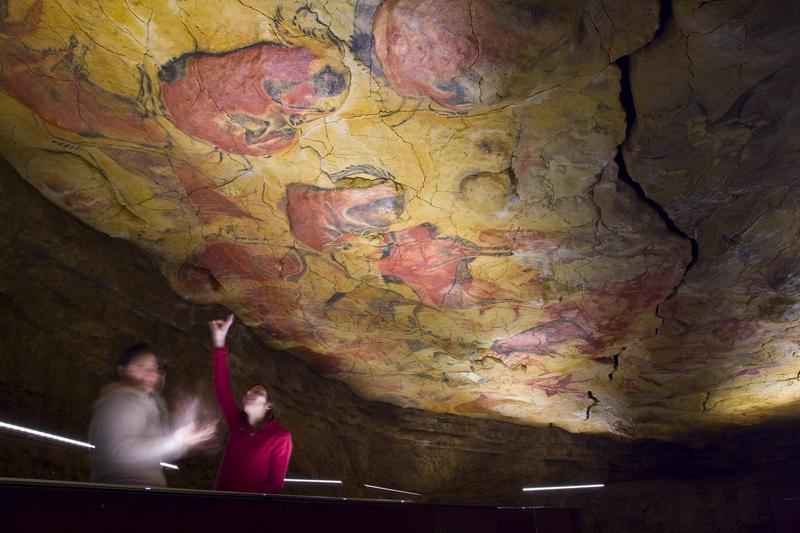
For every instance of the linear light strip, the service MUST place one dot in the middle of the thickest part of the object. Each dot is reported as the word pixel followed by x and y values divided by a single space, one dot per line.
pixel 324 481
pixel 392 490
pixel 563 487
pixel 65 440
pixel 42 434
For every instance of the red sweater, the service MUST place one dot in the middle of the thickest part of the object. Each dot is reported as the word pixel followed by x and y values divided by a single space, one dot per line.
pixel 253 462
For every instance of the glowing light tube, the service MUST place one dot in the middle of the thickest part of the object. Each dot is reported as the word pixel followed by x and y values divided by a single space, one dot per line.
pixel 44 435
pixel 392 490
pixel 564 487
pixel 325 481
pixel 65 440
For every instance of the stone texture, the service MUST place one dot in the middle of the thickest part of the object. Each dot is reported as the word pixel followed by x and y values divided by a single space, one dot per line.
pixel 715 143
pixel 72 297
pixel 426 200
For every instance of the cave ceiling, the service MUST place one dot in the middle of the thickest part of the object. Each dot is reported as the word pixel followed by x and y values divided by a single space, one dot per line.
pixel 579 213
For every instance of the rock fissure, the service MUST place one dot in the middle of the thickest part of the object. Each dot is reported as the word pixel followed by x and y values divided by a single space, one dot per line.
pixel 628 103
pixel 354 180
pixel 595 401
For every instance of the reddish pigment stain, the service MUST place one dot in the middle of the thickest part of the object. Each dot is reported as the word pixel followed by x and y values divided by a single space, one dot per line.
pixel 279 312
pixel 251 101
pixel 601 318
pixel 196 281
pixel 437 268
pixel 519 240
pixel 54 86
pixel 614 310
pixel 231 263
pixel 180 177
pixel 485 403
pixel 755 371
pixel 736 330
pixel 205 200
pixel 442 48
pixel 324 218
pixel 553 385
pixel 546 339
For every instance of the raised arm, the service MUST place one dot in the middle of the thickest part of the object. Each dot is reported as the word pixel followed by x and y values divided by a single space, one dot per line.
pixel 222 378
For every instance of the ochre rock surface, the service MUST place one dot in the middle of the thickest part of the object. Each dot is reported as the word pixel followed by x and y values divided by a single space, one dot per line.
pixel 715 144
pixel 427 200
pixel 73 298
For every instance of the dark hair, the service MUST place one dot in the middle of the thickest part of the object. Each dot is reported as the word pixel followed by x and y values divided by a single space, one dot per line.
pixel 129 354
pixel 140 348
pixel 269 417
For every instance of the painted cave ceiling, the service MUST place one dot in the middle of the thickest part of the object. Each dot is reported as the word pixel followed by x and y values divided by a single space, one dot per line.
pixel 578 213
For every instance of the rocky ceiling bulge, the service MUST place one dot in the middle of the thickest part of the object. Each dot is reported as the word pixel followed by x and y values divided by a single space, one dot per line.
pixel 581 214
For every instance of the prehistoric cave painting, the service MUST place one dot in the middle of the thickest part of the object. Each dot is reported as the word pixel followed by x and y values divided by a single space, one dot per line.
pixel 93 198
pixel 529 247
pixel 463 54
pixel 362 43
pixel 614 310
pixel 602 318
pixel 559 268
pixel 235 263
pixel 53 84
pixel 520 241
pixel 196 283
pixel 23 26
pixel 206 201
pixel 324 218
pixel 252 100
pixel 488 403
pixel 280 312
pixel 367 308
pixel 557 337
pixel 373 349
pixel 736 331
pixel 556 384
pixel 179 177
pixel 752 371
pixel 429 49
pixel 437 268
pixel 155 165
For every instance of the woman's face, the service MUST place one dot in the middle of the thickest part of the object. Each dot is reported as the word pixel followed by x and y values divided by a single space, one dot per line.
pixel 142 371
pixel 256 404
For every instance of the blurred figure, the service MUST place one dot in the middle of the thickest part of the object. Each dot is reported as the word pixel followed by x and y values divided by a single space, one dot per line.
pixel 130 427
pixel 258 450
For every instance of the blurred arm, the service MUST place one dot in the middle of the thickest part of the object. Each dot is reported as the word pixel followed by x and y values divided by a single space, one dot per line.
pixel 121 434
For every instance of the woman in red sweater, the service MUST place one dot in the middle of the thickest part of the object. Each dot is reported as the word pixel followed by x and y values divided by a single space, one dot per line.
pixel 258 450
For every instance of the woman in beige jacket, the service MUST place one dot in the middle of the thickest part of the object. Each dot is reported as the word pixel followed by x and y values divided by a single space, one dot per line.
pixel 130 428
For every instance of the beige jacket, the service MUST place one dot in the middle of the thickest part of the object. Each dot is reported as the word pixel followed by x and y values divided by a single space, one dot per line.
pixel 131 435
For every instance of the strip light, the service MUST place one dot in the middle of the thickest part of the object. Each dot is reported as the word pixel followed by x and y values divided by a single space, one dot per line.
pixel 42 434
pixel 65 440
pixel 564 487
pixel 392 490
pixel 325 481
